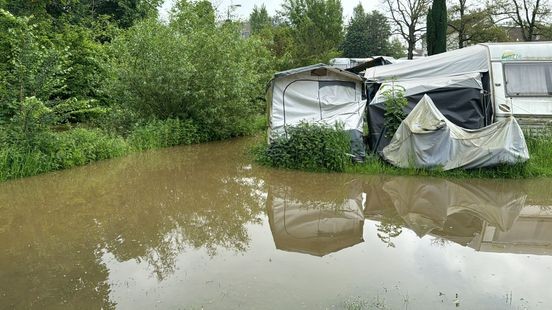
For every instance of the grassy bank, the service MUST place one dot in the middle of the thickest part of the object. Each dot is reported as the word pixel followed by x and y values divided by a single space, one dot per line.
pixel 306 149
pixel 49 150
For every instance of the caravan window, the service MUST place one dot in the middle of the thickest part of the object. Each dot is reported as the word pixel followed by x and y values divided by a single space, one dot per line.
pixel 528 79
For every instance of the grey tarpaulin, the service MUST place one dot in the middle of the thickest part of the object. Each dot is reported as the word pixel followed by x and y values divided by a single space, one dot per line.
pixel 459 98
pixel 427 139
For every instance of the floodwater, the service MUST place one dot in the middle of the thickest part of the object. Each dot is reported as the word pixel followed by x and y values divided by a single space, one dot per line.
pixel 202 227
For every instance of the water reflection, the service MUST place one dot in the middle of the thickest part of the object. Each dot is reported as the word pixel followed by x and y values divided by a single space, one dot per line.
pixel 313 225
pixel 486 215
pixel 150 207
pixel 159 209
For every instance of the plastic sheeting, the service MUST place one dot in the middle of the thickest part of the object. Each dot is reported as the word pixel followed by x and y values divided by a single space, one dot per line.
pixel 466 60
pixel 427 139
pixel 459 98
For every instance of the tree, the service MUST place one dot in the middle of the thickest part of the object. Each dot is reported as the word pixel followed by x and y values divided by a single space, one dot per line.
pixel 430 32
pixel 316 27
pixel 367 34
pixel 259 19
pixel 396 49
pixel 529 15
pixel 472 25
pixel 408 16
pixel 437 28
pixel 84 12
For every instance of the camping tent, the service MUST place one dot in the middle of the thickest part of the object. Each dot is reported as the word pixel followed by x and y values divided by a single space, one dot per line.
pixel 317 93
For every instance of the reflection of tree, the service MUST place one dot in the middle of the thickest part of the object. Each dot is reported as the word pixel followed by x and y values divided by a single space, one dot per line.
pixel 149 207
pixel 390 226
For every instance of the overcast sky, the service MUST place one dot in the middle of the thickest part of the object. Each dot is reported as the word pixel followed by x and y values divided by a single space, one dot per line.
pixel 247 6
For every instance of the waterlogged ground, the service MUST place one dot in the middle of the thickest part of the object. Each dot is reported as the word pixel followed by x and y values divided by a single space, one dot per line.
pixel 201 227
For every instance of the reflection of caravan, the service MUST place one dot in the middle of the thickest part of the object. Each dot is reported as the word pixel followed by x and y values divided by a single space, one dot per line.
pixel 473 86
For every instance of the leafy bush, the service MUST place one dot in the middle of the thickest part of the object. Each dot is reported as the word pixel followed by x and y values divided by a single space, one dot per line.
pixel 169 132
pixel 190 69
pixel 311 147
pixel 395 102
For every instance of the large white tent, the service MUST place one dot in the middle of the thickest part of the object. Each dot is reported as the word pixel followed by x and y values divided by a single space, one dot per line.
pixel 316 94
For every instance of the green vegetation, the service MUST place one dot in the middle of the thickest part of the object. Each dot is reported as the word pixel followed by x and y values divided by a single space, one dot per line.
pixel 310 147
pixel 321 148
pixel 436 35
pixel 89 81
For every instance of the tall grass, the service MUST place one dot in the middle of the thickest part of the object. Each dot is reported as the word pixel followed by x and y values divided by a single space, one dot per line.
pixel 50 150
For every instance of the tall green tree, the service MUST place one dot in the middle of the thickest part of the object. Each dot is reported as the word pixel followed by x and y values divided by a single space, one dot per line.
pixel 316 27
pixel 430 33
pixel 259 19
pixel 367 34
pixel 437 28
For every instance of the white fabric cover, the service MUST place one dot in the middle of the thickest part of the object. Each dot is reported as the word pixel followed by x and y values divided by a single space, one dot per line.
pixel 426 139
pixel 297 97
pixel 466 60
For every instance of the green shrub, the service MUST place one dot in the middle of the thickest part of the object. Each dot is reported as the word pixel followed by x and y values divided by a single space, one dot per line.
pixel 309 147
pixel 80 146
pixel 164 133
pixel 190 68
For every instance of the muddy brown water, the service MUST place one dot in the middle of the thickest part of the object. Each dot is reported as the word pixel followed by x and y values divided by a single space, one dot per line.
pixel 202 227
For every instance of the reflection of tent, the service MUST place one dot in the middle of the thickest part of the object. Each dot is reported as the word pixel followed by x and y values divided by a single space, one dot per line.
pixel 317 93
pixel 316 228
pixel 454 210
pixel 427 139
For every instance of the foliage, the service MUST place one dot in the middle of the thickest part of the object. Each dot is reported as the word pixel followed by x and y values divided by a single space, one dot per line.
pixel 190 69
pixel 34 66
pixel 397 49
pixel 473 25
pixel 395 102
pixel 430 32
pixel 316 28
pixel 124 13
pixel 259 19
pixel 437 28
pixel 312 147
pixel 530 16
pixel 367 35
pixel 53 151
pixel 158 134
